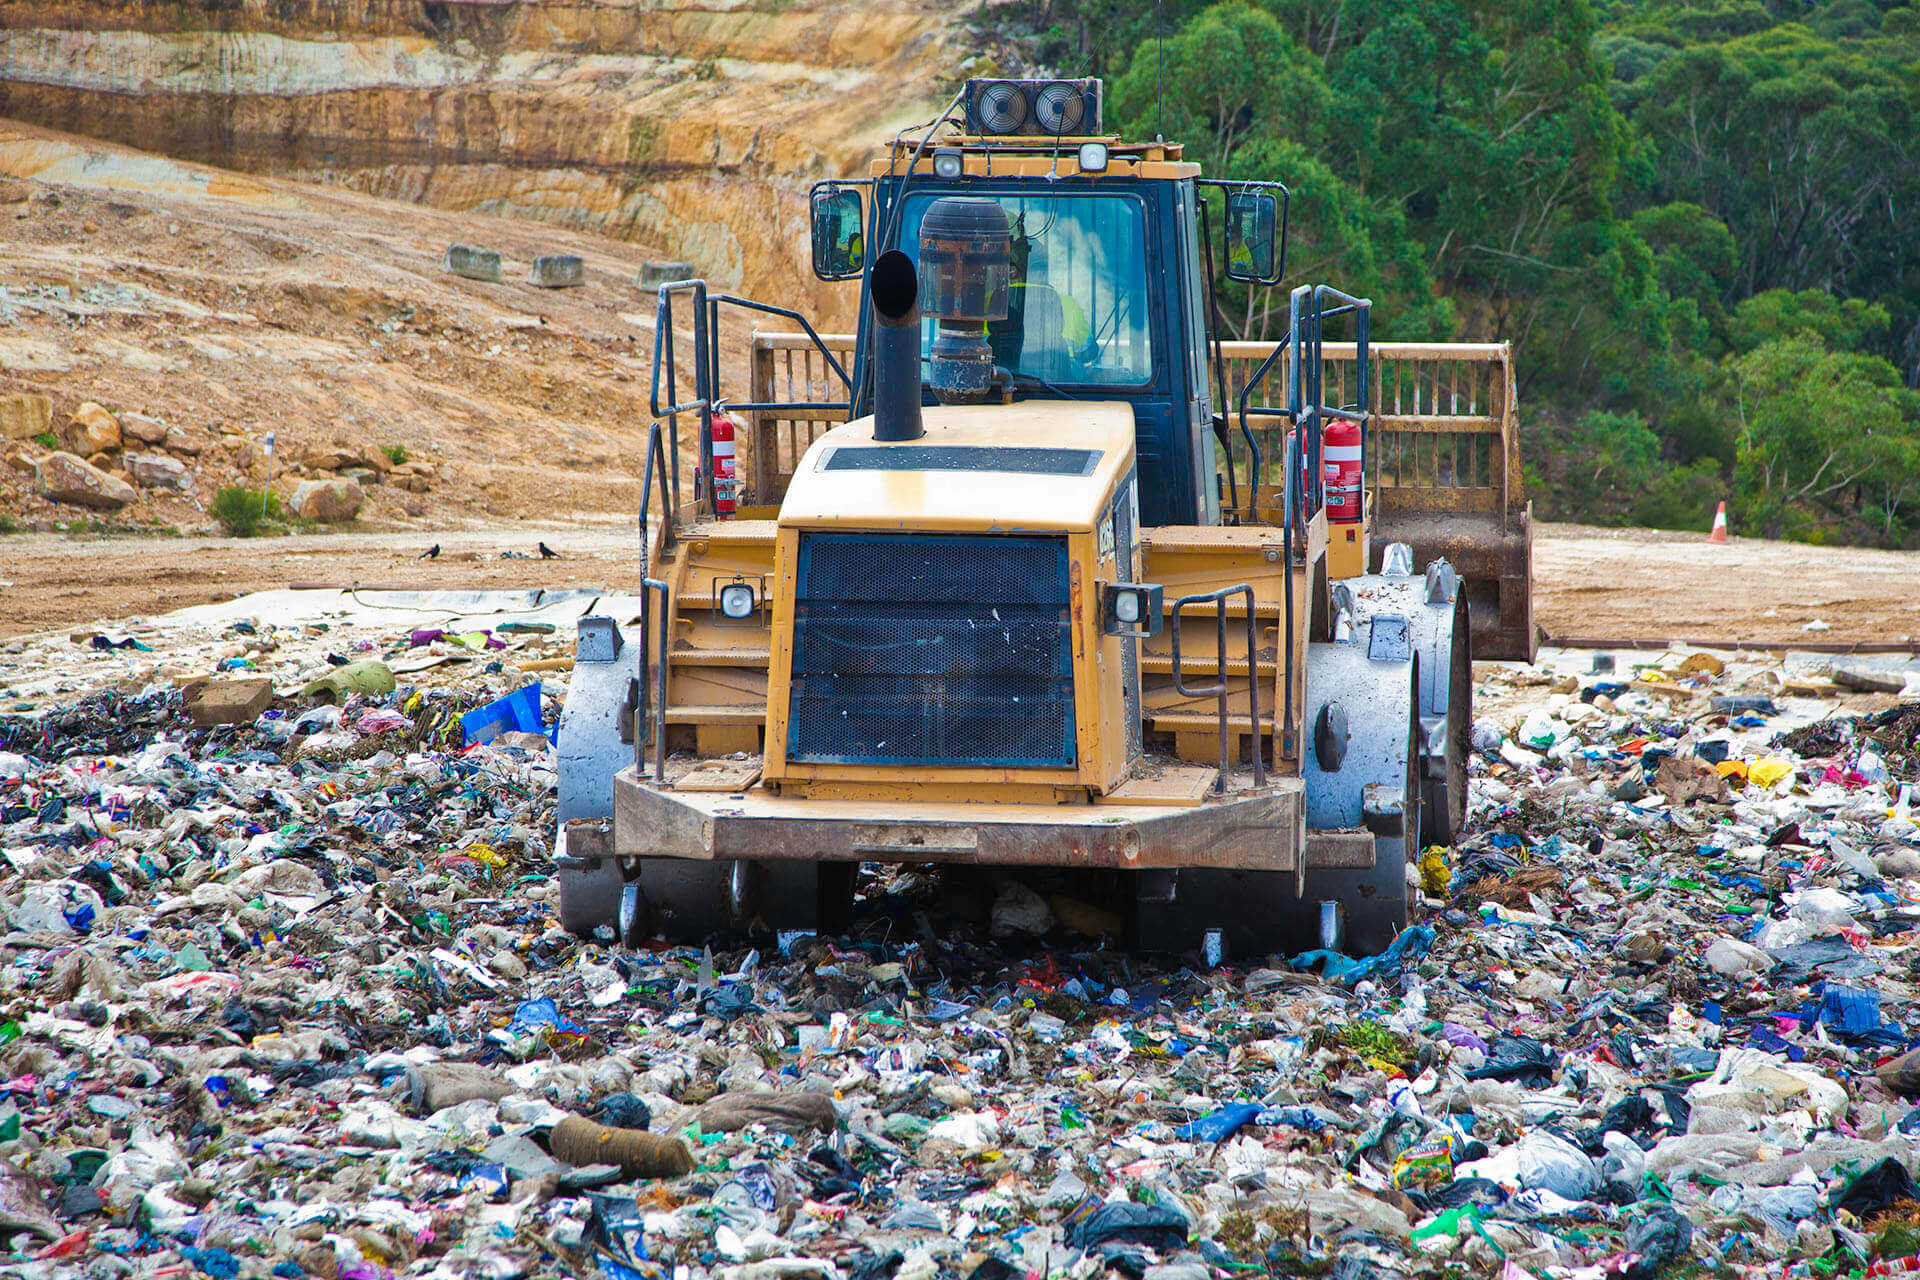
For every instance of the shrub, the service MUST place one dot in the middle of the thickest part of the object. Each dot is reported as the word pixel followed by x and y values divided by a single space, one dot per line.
pixel 46 440
pixel 396 453
pixel 241 510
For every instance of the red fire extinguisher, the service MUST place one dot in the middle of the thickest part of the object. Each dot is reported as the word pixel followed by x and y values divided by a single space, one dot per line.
pixel 723 472
pixel 1340 460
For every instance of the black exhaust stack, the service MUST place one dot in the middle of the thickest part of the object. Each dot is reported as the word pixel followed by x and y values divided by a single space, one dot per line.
pixel 895 288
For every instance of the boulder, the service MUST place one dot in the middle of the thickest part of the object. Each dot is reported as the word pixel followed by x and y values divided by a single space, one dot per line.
pixel 138 426
pixel 92 430
pixel 157 471
pixel 65 478
pixel 19 462
pixel 557 271
pixel 328 501
pixel 24 416
pixel 185 442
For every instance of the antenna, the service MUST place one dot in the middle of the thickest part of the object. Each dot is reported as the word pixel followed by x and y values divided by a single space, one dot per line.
pixel 1160 69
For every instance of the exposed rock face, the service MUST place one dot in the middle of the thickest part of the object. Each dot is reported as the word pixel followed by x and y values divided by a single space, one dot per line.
pixel 328 501
pixel 643 121
pixel 65 478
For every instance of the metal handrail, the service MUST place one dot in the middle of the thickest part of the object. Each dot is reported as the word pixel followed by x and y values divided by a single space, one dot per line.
pixel 706 371
pixel 1304 485
pixel 656 458
pixel 662 622
pixel 1219 686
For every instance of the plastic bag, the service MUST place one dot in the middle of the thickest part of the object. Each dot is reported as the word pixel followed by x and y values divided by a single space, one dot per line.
pixel 1550 1163
pixel 1517 1058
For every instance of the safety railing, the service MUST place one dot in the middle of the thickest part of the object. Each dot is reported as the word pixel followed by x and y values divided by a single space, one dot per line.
pixel 662 477
pixel 707 390
pixel 1444 433
pixel 1219 687
pixel 651 711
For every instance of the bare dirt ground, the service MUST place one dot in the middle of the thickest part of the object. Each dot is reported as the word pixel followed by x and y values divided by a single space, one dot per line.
pixel 1603 583
pixel 230 307
pixel 1653 584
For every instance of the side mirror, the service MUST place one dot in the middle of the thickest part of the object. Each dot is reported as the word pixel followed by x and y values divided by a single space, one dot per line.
pixel 839 249
pixel 1252 244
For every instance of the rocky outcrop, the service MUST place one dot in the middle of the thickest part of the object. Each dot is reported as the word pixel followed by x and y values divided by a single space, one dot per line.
pixel 696 128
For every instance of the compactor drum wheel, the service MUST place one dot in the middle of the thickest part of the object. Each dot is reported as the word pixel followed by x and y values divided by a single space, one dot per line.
pixel 1443 813
pixel 1381 790
pixel 639 897
pixel 1374 785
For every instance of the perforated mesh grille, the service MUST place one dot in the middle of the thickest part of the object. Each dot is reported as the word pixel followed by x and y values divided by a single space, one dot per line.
pixel 931 649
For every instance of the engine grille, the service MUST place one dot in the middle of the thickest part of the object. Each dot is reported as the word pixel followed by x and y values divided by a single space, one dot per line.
pixel 931 649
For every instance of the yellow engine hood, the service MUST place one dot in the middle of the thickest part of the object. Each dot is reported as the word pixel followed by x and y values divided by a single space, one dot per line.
pixel 1039 465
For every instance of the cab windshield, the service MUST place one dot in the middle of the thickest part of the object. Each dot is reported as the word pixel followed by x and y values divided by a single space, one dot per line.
pixel 1077 315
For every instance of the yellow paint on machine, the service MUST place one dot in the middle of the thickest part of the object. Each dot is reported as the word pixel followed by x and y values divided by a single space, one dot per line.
pixel 893 501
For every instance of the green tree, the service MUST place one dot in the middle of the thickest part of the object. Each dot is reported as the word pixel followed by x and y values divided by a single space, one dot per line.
pixel 1815 424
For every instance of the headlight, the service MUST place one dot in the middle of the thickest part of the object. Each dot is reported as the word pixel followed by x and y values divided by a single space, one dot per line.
pixel 1093 157
pixel 736 600
pixel 946 163
pixel 1131 609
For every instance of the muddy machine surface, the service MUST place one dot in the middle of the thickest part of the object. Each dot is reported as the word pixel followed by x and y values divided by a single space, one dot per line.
pixel 1034 570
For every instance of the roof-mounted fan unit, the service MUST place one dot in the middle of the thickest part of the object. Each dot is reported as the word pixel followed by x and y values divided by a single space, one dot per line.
pixel 1033 108
pixel 1060 108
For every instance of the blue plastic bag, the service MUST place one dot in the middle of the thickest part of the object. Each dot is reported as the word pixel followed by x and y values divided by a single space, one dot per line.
pixel 1386 967
pixel 539 1015
pixel 1218 1126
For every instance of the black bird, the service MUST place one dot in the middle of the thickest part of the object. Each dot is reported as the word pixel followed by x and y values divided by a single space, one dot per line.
pixel 548 553
pixel 431 553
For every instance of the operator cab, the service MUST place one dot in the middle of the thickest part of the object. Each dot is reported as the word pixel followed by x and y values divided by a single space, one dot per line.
pixel 1110 254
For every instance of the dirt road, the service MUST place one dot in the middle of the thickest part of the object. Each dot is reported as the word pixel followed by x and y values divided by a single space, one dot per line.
pixel 1612 583
pixel 1656 585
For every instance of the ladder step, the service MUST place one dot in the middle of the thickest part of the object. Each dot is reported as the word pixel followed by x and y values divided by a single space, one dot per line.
pixel 1161 664
pixel 1204 721
pixel 1236 608
pixel 753 659
pixel 726 714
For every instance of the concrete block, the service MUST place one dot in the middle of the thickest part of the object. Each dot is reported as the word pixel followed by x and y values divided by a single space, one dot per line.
pixel 654 274
pixel 229 701
pixel 473 263
pixel 1863 680
pixel 557 271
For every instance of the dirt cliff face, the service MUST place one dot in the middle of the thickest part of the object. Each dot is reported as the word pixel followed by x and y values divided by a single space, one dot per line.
pixel 698 129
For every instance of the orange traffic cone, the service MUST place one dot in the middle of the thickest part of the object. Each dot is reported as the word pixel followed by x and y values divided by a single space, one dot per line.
pixel 1719 533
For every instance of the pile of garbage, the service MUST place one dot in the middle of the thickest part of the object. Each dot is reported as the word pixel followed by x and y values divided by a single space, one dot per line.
pixel 286 995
